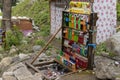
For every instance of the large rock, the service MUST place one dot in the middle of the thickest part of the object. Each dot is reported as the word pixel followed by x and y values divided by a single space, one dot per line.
pixel 6 62
pixel 23 56
pixel 113 44
pixel 8 76
pixel 106 68
pixel 36 48
pixel 21 72
pixel 13 50
pixel 38 76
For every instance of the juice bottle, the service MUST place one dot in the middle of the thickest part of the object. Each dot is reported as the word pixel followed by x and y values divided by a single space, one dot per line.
pixel 70 20
pixel 66 33
pixel 77 18
pixel 79 24
pixel 70 34
pixel 75 21
pixel 73 35
pixel 84 26
pixel 76 36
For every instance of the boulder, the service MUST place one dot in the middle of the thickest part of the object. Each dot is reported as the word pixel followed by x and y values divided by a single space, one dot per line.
pixel 1 48
pixel 21 72
pixel 106 68
pixel 13 50
pixel 6 61
pixel 117 79
pixel 23 56
pixel 36 48
pixel 38 76
pixel 1 79
pixel 8 76
pixel 113 44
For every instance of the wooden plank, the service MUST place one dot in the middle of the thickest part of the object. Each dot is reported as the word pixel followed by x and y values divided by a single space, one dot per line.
pixel 50 40
pixel 44 63
pixel 31 66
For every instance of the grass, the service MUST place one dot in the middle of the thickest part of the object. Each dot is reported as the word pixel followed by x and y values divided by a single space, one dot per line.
pixel 38 11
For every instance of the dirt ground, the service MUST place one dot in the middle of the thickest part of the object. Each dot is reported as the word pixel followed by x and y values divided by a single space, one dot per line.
pixel 79 76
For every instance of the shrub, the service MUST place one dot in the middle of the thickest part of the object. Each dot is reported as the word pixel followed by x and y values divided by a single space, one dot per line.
pixel 13 37
pixel 40 42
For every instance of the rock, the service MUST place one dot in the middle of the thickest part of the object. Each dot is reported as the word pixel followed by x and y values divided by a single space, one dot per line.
pixel 1 79
pixel 36 48
pixel 105 54
pixel 38 76
pixel 24 42
pixel 8 74
pixel 21 72
pixel 23 56
pixel 9 78
pixel 1 56
pixel 16 59
pixel 6 61
pixel 106 68
pixel 113 44
pixel 117 79
pixel 4 64
pixel 1 49
pixel 13 50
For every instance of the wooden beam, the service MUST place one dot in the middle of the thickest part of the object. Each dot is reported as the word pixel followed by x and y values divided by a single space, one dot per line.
pixel 31 66
pixel 50 40
pixel 44 63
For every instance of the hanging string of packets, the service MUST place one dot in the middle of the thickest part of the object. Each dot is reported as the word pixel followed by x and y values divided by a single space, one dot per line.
pixel 80 7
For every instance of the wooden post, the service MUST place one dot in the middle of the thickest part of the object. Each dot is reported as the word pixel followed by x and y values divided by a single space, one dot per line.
pixel 92 40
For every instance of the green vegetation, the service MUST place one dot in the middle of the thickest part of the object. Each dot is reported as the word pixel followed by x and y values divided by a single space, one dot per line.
pixel 38 11
pixel 13 37
pixel 40 42
pixel 101 48
pixel 118 11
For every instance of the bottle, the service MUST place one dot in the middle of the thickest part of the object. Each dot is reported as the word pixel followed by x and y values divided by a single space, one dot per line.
pixel 79 24
pixel 70 20
pixel 75 21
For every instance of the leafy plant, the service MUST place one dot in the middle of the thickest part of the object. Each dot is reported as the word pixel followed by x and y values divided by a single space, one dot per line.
pixel 13 37
pixel 101 48
pixel 40 42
